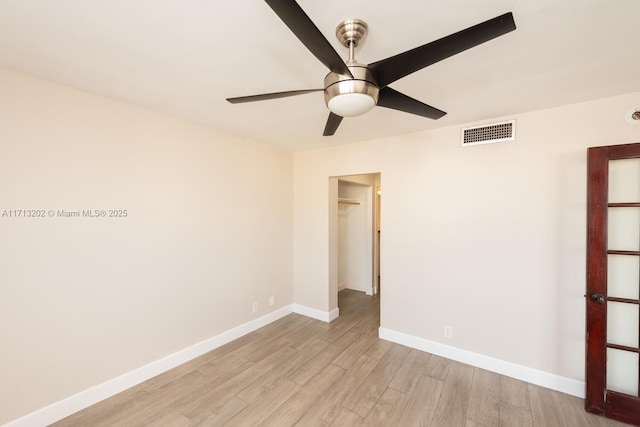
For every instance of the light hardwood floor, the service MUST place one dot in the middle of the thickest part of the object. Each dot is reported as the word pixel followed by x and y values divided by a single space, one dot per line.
pixel 303 372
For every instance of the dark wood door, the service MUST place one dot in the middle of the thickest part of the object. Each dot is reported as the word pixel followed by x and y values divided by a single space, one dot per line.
pixel 613 282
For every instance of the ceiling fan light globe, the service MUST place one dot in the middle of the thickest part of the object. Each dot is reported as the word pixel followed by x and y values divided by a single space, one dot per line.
pixel 351 104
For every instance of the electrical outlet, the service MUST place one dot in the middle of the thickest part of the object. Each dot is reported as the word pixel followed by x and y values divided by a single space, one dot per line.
pixel 448 332
pixel 272 300
pixel 255 307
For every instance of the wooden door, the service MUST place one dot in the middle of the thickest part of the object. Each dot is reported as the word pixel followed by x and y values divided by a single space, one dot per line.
pixel 613 282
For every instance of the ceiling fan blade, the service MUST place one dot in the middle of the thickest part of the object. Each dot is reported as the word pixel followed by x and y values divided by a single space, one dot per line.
pixel 267 96
pixel 333 122
pixel 395 100
pixel 393 68
pixel 301 25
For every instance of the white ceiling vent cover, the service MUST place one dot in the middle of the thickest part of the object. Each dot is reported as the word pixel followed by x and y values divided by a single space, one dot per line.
pixel 488 134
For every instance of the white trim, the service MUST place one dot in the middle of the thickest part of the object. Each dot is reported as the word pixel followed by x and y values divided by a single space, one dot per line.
pixel 325 316
pixel 524 373
pixel 84 399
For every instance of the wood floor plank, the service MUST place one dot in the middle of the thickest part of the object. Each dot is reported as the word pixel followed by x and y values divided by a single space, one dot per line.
pixel 194 364
pixel 281 371
pixel 514 403
pixel 437 367
pixel 454 400
pixel 221 415
pixel 257 353
pixel 290 412
pixel 266 343
pixel 470 423
pixel 167 400
pixel 224 368
pixel 514 392
pixel 409 373
pixel 266 405
pixel 171 420
pixel 545 410
pixel 328 405
pixel 484 401
pixel 369 321
pixel 210 402
pixel 389 409
pixel 350 300
pixel 356 349
pixel 302 337
pixel 366 396
pixel 514 416
pixel 422 403
pixel 346 418
pixel 379 349
pixel 339 327
pixel 307 371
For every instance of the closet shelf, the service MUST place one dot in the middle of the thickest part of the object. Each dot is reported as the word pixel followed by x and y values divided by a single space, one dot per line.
pixel 343 201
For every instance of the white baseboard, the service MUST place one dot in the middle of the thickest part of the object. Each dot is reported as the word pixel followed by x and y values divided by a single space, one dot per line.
pixel 325 316
pixel 84 399
pixel 530 375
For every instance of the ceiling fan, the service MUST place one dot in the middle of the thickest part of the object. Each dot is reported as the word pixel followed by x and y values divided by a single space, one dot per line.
pixel 351 88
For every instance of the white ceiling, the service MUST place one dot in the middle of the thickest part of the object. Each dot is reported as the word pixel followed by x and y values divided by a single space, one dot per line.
pixel 184 57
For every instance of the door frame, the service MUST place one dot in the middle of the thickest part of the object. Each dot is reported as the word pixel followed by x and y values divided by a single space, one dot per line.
pixel 333 236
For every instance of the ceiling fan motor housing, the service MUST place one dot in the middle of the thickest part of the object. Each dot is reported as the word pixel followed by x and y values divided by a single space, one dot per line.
pixel 348 97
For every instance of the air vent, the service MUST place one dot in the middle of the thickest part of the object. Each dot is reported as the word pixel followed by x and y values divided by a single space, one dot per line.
pixel 488 134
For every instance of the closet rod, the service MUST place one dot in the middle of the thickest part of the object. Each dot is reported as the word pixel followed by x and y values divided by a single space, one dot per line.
pixel 349 201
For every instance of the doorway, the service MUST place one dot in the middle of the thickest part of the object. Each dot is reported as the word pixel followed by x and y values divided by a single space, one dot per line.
pixel 613 283
pixel 354 247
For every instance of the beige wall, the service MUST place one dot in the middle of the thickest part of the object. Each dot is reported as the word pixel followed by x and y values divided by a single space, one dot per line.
pixel 488 239
pixel 84 300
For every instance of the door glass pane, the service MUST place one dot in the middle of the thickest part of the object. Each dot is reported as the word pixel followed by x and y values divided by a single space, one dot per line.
pixel 624 229
pixel 622 371
pixel 624 181
pixel 622 323
pixel 623 276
